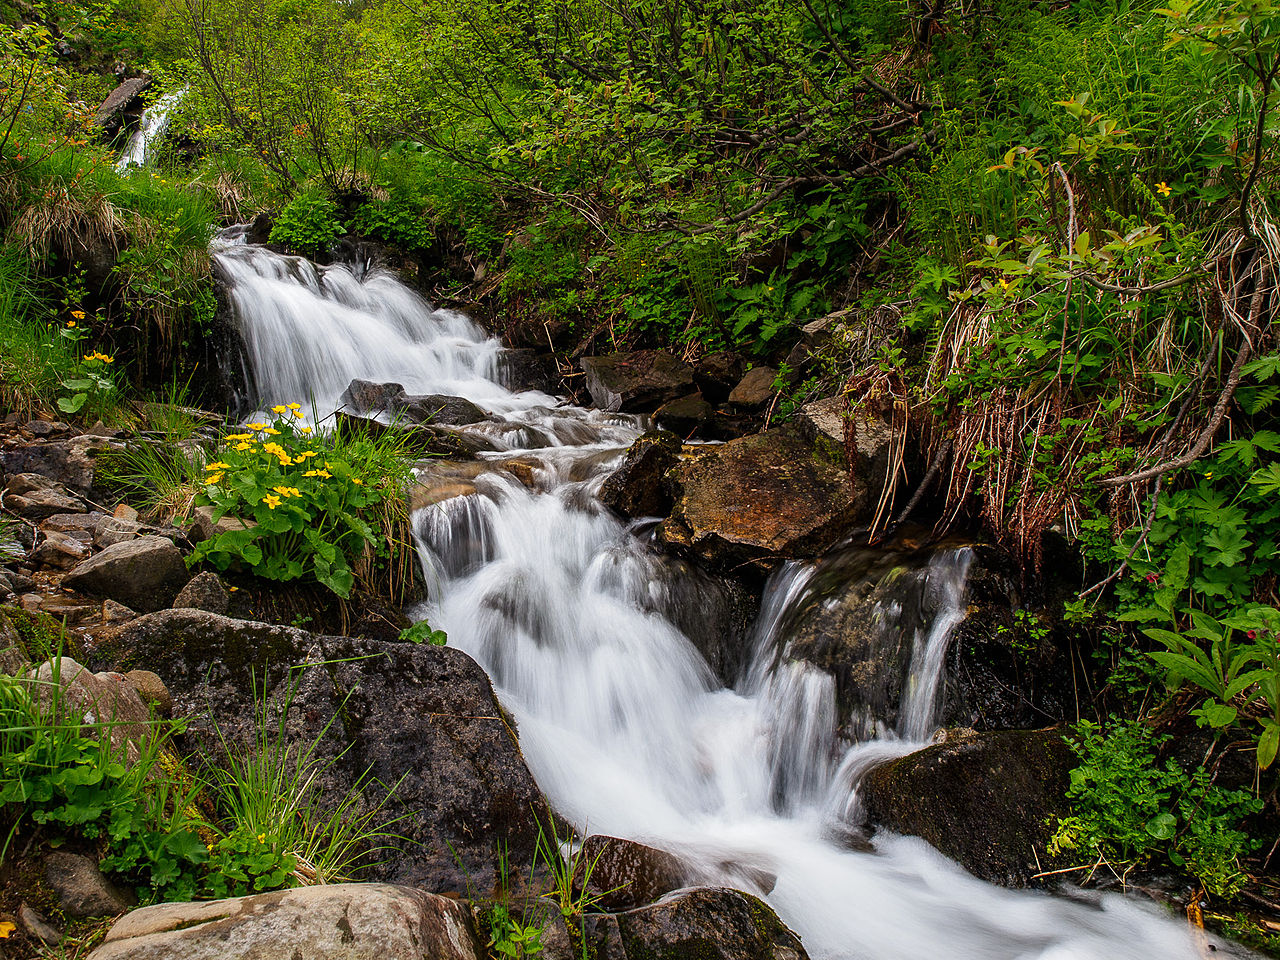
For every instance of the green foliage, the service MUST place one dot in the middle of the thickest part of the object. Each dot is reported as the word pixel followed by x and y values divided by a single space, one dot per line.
pixel 1129 810
pixel 308 224
pixel 89 385
pixel 310 502
pixel 421 632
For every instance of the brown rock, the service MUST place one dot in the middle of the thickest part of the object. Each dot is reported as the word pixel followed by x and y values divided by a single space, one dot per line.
pixel 204 591
pixel 625 874
pixel 636 382
pixel 145 574
pixel 82 889
pixel 755 389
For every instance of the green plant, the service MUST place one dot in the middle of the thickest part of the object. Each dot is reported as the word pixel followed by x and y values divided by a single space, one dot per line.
pixel 1129 809
pixel 310 502
pixel 421 632
pixel 308 224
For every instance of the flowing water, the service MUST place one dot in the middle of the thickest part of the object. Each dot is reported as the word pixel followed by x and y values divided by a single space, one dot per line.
pixel 624 725
pixel 140 148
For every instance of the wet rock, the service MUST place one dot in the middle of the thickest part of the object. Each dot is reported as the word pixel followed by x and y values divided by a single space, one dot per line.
pixel 715 923
pixel 637 382
pixel 68 462
pixel 125 97
pixel 59 551
pixel 637 488
pixel 36 497
pixel 427 495
pixel 348 921
pixel 759 499
pixel 625 874
pixel 145 574
pixel 717 374
pixel 82 889
pixel 684 415
pixel 421 719
pixel 987 801
pixel 825 421
pixel 755 389
pixel 204 591
pixel 364 396
pixel 99 698
pixel 437 408
pixel 527 369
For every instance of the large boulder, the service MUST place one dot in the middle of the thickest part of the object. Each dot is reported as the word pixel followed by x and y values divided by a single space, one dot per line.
pixel 759 499
pixel 365 396
pixel 144 574
pixel 436 408
pixel 637 382
pixel 638 488
pixel 868 438
pixel 349 921
pixel 125 97
pixel 987 800
pixel 421 721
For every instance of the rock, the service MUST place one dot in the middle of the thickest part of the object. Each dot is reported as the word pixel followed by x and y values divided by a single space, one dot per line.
pixel 761 498
pixel 34 925
pixel 708 923
pixel 347 921
pixel 364 396
pixel 145 574
pixel 112 530
pixel 526 369
pixel 113 612
pixel 36 497
pixel 83 523
pixel 684 415
pixel 99 698
pixel 119 101
pixel 82 889
pixel 625 874
pixel 151 690
pixel 204 591
pixel 39 428
pixel 426 495
pixel 637 488
pixel 67 462
pixel 13 651
pixel 987 801
pixel 436 408
pixel 636 382
pixel 204 527
pixel 422 717
pixel 125 512
pixel 716 374
pixel 872 436
pixel 60 551
pixel 755 389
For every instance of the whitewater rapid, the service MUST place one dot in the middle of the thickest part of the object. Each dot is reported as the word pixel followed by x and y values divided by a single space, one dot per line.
pixel 626 729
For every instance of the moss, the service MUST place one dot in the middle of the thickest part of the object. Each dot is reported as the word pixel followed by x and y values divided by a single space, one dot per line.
pixel 40 635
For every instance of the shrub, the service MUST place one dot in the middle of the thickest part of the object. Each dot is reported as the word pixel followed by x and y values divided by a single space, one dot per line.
pixel 308 224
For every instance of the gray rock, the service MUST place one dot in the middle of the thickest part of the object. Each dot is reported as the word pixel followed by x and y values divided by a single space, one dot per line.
pixel 526 369
pixel 625 874
pixel 145 574
pixel 637 382
pixel 363 396
pixel 204 591
pixel 60 551
pixel 109 531
pixel 349 921
pixel 204 527
pixel 710 923
pixel 684 415
pixel 36 497
pixel 152 690
pixel 436 408
pixel 755 389
pixel 98 698
pixel 420 717
pixel 638 488
pixel 82 889
pixel 83 523
pixel 119 101
pixel 34 925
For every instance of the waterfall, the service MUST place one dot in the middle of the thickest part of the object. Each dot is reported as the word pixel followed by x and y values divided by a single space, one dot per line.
pixel 625 727
pixel 138 151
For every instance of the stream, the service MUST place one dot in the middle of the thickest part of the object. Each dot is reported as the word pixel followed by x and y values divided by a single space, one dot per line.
pixel 627 730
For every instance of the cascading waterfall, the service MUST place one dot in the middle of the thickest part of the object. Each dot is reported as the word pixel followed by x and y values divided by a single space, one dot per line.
pixel 150 129
pixel 622 722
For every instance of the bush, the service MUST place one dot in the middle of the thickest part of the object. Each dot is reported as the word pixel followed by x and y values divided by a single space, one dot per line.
pixel 308 224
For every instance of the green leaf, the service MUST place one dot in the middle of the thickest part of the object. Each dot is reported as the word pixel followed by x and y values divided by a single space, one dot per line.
pixel 1268 744
pixel 1163 826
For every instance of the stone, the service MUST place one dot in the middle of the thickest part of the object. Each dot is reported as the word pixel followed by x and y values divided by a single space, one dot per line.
pixel 760 498
pixel 204 527
pixel 346 921
pixel 637 382
pixel 524 369
pixel 67 462
pixel 34 925
pixel 755 389
pixel 125 512
pixel 119 101
pixel 59 551
pixel 35 497
pixel 988 801
pixel 364 396
pixel 709 923
pixel 82 889
pixel 436 408
pixel 152 690
pixel 204 591
pixel 626 874
pixel 100 698
pixel 39 428
pixel 872 436
pixel 716 374
pixel 74 523
pixel 684 415
pixel 145 574
pixel 112 530
pixel 420 719
pixel 638 487
pixel 113 612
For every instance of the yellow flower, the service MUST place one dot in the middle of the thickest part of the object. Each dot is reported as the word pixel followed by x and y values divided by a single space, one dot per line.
pixel 217 465
pixel 357 481
pixel 277 409
pixel 256 426
pixel 271 502
pixel 78 314
pixel 209 847
pixel 287 491
pixel 305 454
pixel 297 415
pixel 6 930
pixel 244 445
pixel 1163 189
pixel 240 436
pixel 71 323
pixel 318 473
pixel 100 356
pixel 262 838
pixel 213 478
pixel 272 431
pixel 295 406
pixel 305 429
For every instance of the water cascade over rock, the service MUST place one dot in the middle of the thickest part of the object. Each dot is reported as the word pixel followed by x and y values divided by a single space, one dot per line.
pixel 627 729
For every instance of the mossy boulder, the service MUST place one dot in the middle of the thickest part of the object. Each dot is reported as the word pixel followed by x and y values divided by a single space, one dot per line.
pixel 987 800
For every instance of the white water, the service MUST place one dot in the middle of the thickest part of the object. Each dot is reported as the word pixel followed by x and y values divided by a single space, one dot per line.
pixel 624 726
pixel 151 127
